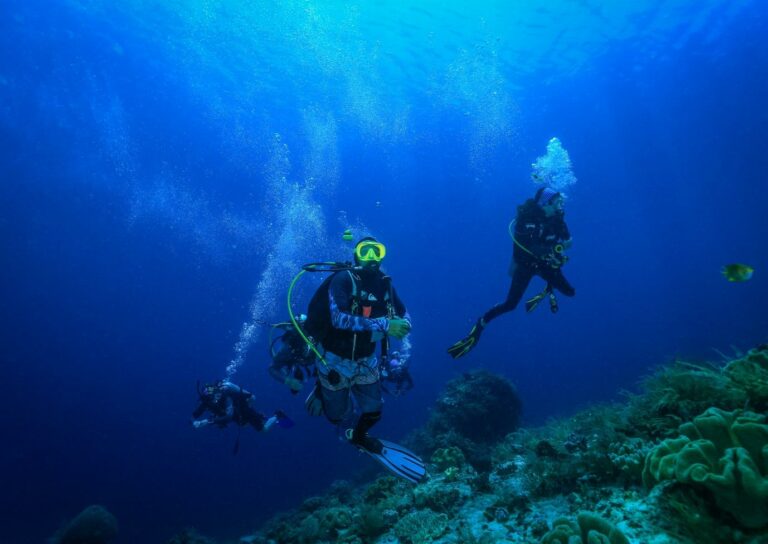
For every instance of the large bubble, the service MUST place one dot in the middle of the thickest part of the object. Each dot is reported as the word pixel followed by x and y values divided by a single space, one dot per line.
pixel 554 169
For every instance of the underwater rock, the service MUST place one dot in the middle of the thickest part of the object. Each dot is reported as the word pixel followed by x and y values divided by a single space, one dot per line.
pixel 725 452
pixel 476 410
pixel 94 525
pixel 480 406
pixel 589 529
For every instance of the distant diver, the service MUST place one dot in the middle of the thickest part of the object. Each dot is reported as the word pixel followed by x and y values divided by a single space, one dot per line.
pixel 540 238
pixel 229 403
pixel 395 375
pixel 354 309
pixel 293 361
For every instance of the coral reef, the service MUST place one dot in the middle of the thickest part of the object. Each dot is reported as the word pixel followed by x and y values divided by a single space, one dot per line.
pixel 724 452
pixel 94 525
pixel 686 435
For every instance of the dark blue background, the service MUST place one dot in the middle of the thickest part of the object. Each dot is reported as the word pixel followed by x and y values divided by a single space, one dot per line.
pixel 109 318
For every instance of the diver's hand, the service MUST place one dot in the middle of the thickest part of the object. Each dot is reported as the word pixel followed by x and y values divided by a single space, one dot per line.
pixel 554 261
pixel 294 384
pixel 399 328
pixel 200 423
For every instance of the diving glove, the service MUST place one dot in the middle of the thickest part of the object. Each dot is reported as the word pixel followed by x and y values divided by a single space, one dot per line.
pixel 466 344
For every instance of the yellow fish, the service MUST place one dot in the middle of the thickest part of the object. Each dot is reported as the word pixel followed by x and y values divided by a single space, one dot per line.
pixel 737 272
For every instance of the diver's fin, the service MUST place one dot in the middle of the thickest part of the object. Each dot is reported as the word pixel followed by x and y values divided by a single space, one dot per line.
pixel 466 344
pixel 531 304
pixel 400 461
pixel 283 420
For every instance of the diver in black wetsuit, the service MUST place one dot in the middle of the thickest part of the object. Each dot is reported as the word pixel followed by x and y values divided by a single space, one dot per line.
pixel 229 403
pixel 292 359
pixel 395 376
pixel 540 237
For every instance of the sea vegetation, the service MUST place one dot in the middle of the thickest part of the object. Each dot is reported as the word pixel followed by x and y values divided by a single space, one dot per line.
pixel 684 460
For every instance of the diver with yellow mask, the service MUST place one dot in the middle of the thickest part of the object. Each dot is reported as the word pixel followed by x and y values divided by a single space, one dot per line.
pixel 352 312
pixel 540 238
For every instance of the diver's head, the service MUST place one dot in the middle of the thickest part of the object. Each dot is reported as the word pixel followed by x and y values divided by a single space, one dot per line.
pixel 369 253
pixel 550 200
pixel 211 389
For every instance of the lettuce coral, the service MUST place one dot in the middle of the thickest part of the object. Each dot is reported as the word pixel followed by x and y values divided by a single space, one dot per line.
pixel 590 529
pixel 725 452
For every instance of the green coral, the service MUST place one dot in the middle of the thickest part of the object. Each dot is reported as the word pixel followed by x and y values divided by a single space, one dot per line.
pixel 421 527
pixel 751 373
pixel 449 457
pixel 441 496
pixel 725 452
pixel 451 474
pixel 590 529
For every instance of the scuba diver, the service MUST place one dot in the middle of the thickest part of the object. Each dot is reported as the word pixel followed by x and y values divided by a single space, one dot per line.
pixel 293 360
pixel 353 310
pixel 229 403
pixel 540 238
pixel 394 371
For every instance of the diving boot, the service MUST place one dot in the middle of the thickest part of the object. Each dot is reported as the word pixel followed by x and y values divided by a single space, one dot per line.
pixel 553 307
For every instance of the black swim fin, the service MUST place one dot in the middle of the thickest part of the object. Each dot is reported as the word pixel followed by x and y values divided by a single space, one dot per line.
pixel 466 344
pixel 398 460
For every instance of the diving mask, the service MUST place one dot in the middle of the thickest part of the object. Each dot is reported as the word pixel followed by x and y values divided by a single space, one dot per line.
pixel 370 250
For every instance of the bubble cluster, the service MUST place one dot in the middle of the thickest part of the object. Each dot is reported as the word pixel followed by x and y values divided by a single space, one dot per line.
pixel 298 225
pixel 554 169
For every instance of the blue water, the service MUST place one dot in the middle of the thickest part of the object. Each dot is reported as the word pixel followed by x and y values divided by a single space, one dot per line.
pixel 167 167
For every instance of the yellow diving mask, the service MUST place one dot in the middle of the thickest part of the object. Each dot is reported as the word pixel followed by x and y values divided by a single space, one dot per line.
pixel 370 250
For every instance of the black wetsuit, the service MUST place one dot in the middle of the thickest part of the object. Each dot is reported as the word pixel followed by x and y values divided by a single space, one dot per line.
pixel 292 358
pixel 538 234
pixel 230 404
